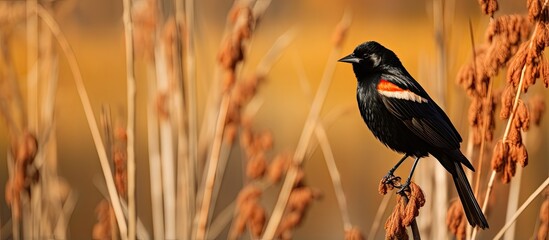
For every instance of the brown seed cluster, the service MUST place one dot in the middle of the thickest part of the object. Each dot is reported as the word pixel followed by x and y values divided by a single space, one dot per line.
pixel 532 60
pixel 250 212
pixel 256 145
pixel 231 51
pixel 503 38
pixel 105 226
pixel 278 166
pixel 353 234
pixel 489 7
pixel 537 11
pixel 300 199
pixel 23 151
pixel 456 220
pixel 120 159
pixel 506 156
pixel 405 212
pixel 512 152
pixel 526 66
pixel 241 95
pixel 543 230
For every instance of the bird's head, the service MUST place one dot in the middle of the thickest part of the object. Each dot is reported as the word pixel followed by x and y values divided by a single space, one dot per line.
pixel 370 57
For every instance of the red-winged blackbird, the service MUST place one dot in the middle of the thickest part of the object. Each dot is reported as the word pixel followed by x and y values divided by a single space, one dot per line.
pixel 402 116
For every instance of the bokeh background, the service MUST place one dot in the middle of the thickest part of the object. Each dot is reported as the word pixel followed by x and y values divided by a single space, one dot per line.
pixel 95 31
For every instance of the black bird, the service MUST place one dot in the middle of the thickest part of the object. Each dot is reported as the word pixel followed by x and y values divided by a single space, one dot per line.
pixel 402 116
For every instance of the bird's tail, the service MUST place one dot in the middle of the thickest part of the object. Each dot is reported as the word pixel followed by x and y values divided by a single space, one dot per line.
pixel 470 205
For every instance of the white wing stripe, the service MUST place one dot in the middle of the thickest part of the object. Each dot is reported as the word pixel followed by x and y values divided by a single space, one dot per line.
pixel 406 95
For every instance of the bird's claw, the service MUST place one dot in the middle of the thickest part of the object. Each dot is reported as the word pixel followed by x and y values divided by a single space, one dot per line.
pixel 403 187
pixel 391 179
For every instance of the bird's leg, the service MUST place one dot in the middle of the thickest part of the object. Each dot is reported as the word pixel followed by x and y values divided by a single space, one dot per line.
pixel 390 175
pixel 407 183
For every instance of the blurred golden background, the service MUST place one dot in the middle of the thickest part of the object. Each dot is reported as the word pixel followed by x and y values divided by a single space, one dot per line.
pixel 95 30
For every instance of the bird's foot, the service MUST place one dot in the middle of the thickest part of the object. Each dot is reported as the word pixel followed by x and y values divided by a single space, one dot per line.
pixel 391 179
pixel 403 187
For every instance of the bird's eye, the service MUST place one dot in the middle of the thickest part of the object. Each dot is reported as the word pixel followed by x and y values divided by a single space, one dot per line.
pixel 374 59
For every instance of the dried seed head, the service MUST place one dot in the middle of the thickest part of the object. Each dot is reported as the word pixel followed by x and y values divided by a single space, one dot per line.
pixel 404 213
pixel 507 98
pixel 103 228
pixel 416 201
pixel 353 234
pixel 250 212
pixel 516 64
pixel 257 221
pixel 488 7
pixel 472 76
pixel 298 203
pixel 278 166
pixel 522 120
pixel 247 194
pixel 537 11
pixel 394 228
pixel 231 130
pixel 505 35
pixel 515 135
pixel 266 140
pixel 521 155
pixel 456 220
pixel 256 166
pixel 500 156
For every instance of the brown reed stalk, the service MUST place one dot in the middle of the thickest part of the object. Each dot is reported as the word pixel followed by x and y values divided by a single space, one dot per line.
pixel 320 133
pixel 145 34
pixel 186 16
pixel 130 126
pixel 212 169
pixel 73 64
pixel 304 140
pixel 154 161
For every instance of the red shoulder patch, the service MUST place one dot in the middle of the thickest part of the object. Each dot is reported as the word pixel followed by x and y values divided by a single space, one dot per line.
pixel 385 85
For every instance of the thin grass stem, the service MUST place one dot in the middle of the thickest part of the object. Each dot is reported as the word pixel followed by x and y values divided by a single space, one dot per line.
pixel 130 126
pixel 519 211
pixel 92 123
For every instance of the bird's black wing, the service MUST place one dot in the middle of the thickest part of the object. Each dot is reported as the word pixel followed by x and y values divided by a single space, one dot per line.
pixel 423 117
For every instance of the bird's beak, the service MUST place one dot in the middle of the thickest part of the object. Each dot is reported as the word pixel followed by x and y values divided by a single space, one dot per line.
pixel 350 59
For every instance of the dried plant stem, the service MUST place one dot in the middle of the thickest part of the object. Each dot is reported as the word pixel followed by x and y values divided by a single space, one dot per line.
pixel 32 65
pixel 413 224
pixel 80 87
pixel 154 160
pixel 513 201
pixel 519 211
pixel 190 174
pixel 302 145
pixel 334 174
pixel 166 151
pixel 488 100
pixel 130 127
pixel 209 184
pixel 379 214
pixel 509 122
